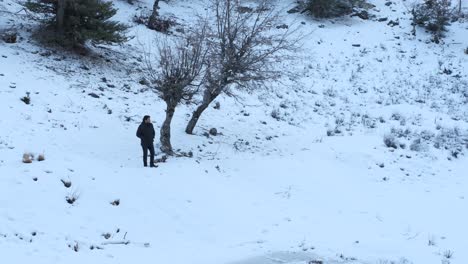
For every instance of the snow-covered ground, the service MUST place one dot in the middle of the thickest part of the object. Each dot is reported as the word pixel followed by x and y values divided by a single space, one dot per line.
pixel 298 175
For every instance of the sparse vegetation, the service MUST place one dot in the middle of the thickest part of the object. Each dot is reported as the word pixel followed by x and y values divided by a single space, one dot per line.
pixel 330 96
pixel 331 8
pixel 431 242
pixel 448 254
pixel 453 140
pixel 75 247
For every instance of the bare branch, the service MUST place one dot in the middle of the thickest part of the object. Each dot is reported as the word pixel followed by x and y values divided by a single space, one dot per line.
pixel 244 49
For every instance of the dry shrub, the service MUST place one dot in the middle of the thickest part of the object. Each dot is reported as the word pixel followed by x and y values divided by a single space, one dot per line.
pixel 27 158
pixel 41 157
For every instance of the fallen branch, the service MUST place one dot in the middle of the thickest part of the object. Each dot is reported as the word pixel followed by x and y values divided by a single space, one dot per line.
pixel 125 242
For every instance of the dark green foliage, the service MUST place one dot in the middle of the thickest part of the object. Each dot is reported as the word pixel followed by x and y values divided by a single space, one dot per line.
pixel 335 8
pixel 330 8
pixel 83 20
pixel 434 15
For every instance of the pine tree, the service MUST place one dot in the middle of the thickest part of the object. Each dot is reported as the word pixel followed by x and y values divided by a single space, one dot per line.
pixel 74 22
pixel 329 8
pixel 434 15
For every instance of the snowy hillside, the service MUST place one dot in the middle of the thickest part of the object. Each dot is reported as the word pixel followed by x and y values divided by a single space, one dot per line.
pixel 298 174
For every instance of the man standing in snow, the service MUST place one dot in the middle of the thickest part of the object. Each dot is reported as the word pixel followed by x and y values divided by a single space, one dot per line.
pixel 146 133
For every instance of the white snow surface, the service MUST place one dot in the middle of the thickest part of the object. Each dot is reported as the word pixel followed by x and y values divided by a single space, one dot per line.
pixel 267 190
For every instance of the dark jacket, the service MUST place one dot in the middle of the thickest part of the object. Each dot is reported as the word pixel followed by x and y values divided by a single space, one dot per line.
pixel 146 133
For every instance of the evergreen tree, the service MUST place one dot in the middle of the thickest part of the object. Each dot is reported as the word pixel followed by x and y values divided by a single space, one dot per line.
pixel 332 8
pixel 74 22
pixel 434 15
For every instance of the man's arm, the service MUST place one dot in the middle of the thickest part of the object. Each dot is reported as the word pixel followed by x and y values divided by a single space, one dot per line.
pixel 138 133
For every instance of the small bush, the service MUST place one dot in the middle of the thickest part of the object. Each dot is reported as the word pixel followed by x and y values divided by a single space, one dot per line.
pixel 142 18
pixel 275 114
pixel 400 133
pixel 433 15
pixel 116 202
pixel 67 184
pixel 397 116
pixel 72 198
pixel 41 157
pixel 161 25
pixel 390 141
pixel 368 121
pixel 418 145
pixel 448 254
pixel 329 8
pixel 26 99
pixel 9 36
pixel 27 158
pixel 449 138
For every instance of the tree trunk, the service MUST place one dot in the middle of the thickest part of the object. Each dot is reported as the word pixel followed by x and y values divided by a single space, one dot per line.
pixel 154 15
pixel 195 116
pixel 61 4
pixel 460 8
pixel 165 137
pixel 208 97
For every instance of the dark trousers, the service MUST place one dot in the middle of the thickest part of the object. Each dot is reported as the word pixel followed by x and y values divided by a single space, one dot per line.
pixel 145 154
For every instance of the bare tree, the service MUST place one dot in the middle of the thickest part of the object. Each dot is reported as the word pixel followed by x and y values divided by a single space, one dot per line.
pixel 245 46
pixel 179 75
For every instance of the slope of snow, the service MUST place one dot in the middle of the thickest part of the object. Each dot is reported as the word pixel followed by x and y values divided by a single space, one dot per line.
pixel 268 190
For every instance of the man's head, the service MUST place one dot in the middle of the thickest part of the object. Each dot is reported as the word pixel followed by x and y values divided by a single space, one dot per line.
pixel 147 119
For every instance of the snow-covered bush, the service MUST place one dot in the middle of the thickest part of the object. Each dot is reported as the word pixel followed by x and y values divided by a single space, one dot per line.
pixel 72 198
pixel 418 145
pixel 41 157
pixel 275 114
pixel 142 17
pixel 454 140
pixel 368 121
pixel 331 8
pixel 433 15
pixel 390 141
pixel 400 133
pixel 26 99
pixel 27 158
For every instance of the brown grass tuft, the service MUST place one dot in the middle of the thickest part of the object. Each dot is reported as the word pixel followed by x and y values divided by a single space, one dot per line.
pixel 27 158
